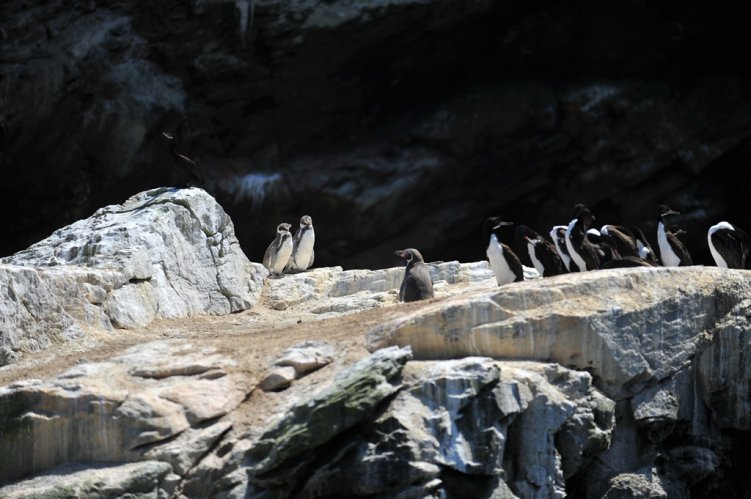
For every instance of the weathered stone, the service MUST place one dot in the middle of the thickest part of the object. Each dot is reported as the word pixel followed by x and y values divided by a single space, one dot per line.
pixel 118 414
pixel 163 253
pixel 450 428
pixel 628 327
pixel 634 486
pixel 143 480
pixel 189 447
pixel 306 357
pixel 351 398
pixel 278 378
pixel 725 371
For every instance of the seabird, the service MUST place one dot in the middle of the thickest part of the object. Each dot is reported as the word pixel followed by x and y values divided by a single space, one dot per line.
pixel 503 261
pixel 621 239
pixel 302 247
pixel 582 252
pixel 542 253
pixel 189 169
pixel 672 251
pixel 644 249
pixel 729 244
pixel 417 283
pixel 558 236
pixel 278 253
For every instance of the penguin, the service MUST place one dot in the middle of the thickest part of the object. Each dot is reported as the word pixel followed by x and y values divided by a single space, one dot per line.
pixel 278 253
pixel 579 247
pixel 558 236
pixel 302 247
pixel 643 247
pixel 417 283
pixel 729 244
pixel 621 239
pixel 503 261
pixel 188 168
pixel 542 253
pixel 672 251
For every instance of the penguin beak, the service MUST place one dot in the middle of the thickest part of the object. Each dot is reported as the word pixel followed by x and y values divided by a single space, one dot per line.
pixel 401 253
pixel 502 223
pixel 673 212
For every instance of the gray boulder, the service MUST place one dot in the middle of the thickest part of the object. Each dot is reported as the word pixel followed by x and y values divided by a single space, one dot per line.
pixel 164 253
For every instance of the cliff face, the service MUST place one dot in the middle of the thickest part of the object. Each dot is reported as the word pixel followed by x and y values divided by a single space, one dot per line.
pixel 392 124
pixel 616 383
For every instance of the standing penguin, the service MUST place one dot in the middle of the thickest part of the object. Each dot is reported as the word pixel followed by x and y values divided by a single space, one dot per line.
pixel 302 247
pixel 278 253
pixel 541 252
pixel 417 283
pixel 189 170
pixel 503 261
pixel 582 252
pixel 729 244
pixel 672 251
pixel 558 236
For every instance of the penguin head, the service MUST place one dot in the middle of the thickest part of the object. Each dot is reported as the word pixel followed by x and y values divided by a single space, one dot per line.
pixel 306 221
pixel 664 210
pixel 582 213
pixel 283 227
pixel 493 225
pixel 410 254
pixel 525 234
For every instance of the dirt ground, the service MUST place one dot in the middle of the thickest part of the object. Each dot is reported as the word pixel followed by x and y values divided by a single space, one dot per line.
pixel 253 338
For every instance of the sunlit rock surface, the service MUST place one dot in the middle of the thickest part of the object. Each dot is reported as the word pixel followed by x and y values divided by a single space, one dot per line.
pixel 164 253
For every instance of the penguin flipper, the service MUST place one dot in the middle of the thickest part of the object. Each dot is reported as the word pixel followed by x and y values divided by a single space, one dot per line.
pixel 514 264
pixel 267 257
pixel 680 250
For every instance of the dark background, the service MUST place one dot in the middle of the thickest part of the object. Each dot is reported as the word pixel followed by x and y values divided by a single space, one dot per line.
pixel 392 124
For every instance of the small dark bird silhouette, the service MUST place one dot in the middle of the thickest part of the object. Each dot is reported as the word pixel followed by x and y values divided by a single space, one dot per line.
pixel 189 170
pixel 417 283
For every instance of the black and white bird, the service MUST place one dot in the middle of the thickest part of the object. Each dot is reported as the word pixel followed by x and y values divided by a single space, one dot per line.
pixel 729 244
pixel 503 261
pixel 643 247
pixel 621 239
pixel 278 253
pixel 673 253
pixel 582 252
pixel 541 252
pixel 558 236
pixel 189 170
pixel 303 253
pixel 417 283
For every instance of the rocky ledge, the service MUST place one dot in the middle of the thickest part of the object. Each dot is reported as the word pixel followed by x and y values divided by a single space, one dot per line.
pixel 618 383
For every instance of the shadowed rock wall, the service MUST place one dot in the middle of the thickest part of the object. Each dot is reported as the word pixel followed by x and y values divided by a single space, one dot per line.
pixel 393 124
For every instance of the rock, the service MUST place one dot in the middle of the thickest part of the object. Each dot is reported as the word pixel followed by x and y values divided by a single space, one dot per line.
pixel 189 447
pixel 457 426
pixel 164 253
pixel 120 415
pixel 278 379
pixel 628 327
pixel 724 372
pixel 350 399
pixel 306 357
pixel 634 486
pixel 146 479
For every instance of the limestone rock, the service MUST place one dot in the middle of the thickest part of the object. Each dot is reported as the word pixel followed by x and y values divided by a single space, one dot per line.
pixel 351 398
pixel 120 415
pixel 146 479
pixel 278 378
pixel 628 327
pixel 725 372
pixel 163 253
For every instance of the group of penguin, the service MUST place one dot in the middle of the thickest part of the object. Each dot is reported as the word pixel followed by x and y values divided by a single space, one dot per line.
pixel 575 247
pixel 288 254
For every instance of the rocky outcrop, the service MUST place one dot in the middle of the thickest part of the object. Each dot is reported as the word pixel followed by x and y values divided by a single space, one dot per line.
pixel 652 340
pixel 473 107
pixel 157 401
pixel 164 253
